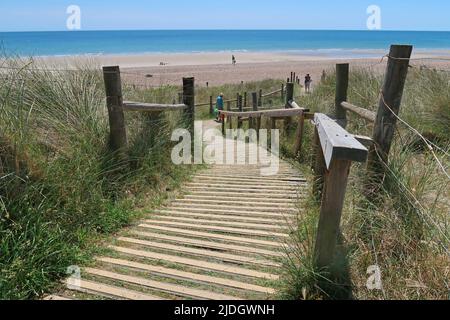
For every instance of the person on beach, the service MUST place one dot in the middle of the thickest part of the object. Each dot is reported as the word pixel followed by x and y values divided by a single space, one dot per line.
pixel 219 106
pixel 308 81
pixel 324 76
pixel 233 60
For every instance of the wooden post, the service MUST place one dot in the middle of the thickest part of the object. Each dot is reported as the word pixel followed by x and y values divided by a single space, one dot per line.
pixel 289 97
pixel 318 165
pixel 342 72
pixel 299 135
pixel 385 123
pixel 245 99
pixel 240 110
pixel 260 98
pixel 229 118
pixel 289 93
pixel 114 103
pixel 292 77
pixel 330 212
pixel 189 100
pixel 211 106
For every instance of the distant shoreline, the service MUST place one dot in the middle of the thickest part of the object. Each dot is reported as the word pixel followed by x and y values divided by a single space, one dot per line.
pixel 224 58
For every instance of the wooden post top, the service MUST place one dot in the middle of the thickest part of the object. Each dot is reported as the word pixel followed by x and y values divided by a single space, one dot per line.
pixel 336 142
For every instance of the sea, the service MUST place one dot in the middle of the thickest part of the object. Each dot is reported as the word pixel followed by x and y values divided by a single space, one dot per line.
pixel 64 43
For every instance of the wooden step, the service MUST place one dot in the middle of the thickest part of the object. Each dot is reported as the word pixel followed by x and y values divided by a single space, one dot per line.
pixel 219 229
pixel 246 195
pixel 195 277
pixel 111 291
pixel 200 252
pixel 230 217
pixel 241 198
pixel 186 206
pixel 209 235
pixel 160 286
pixel 252 186
pixel 201 264
pixel 257 226
pixel 208 244
pixel 224 211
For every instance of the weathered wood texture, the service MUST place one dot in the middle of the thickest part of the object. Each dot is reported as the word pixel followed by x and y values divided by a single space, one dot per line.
pixel 361 112
pixel 335 185
pixel 151 107
pixel 336 142
pixel 189 101
pixel 342 74
pixel 114 102
pixel 385 122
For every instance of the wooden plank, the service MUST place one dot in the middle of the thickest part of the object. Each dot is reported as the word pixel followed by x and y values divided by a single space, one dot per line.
pixel 255 186
pixel 208 244
pixel 219 229
pixel 267 113
pixel 223 223
pixel 244 213
pixel 151 107
pixel 197 263
pixel 111 291
pixel 209 235
pixel 363 113
pixel 249 195
pixel 201 253
pixel 243 207
pixel 269 205
pixel 279 182
pixel 238 198
pixel 230 217
pixel 174 273
pixel 164 287
pixel 337 143
pixel 253 178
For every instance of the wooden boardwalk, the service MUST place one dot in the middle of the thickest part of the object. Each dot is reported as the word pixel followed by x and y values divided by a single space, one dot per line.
pixel 224 239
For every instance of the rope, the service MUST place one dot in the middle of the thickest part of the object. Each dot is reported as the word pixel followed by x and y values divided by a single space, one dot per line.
pixel 430 147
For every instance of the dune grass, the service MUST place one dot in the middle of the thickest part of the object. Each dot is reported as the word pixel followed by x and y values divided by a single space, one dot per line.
pixel 61 191
pixel 407 236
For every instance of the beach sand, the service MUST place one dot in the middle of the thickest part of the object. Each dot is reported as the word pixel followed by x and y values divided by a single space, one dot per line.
pixel 216 68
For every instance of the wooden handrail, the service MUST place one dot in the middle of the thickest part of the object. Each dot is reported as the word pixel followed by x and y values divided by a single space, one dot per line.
pixel 336 142
pixel 271 93
pixel 151 107
pixel 363 113
pixel 267 113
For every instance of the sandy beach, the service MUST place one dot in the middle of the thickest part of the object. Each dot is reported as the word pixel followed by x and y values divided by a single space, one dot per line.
pixel 216 69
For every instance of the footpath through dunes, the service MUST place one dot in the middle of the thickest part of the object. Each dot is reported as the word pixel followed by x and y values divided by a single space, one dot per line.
pixel 224 239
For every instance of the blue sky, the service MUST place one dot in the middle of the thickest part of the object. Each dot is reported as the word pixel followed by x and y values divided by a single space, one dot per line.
pixel 38 15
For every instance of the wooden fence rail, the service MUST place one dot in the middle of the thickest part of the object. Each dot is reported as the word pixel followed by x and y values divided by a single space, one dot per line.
pixel 335 148
pixel 116 108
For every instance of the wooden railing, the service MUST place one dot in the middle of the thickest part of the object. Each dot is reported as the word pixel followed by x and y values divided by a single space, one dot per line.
pixel 116 108
pixel 384 120
pixel 241 101
pixel 335 149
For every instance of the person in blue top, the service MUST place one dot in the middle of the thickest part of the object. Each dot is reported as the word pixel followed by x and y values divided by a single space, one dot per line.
pixel 219 105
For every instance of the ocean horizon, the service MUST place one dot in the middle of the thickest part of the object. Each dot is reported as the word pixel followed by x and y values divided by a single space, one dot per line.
pixel 123 42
